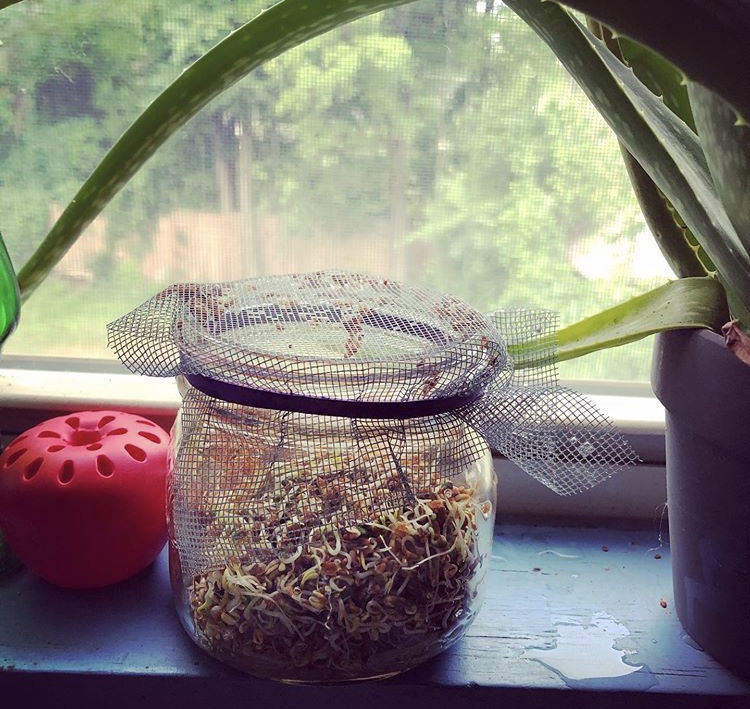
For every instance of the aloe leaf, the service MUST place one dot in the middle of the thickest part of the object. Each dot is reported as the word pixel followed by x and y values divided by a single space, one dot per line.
pixel 683 303
pixel 726 144
pixel 674 239
pixel 661 76
pixel 666 148
pixel 706 39
pixel 285 25
pixel 676 242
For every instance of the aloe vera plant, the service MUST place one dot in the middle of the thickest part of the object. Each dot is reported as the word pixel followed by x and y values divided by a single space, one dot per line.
pixel 692 185
pixel 687 146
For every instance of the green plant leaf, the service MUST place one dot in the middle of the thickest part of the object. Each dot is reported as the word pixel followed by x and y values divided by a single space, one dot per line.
pixel 726 145
pixel 662 77
pixel 666 148
pixel 679 247
pixel 676 241
pixel 285 25
pixel 706 39
pixel 683 303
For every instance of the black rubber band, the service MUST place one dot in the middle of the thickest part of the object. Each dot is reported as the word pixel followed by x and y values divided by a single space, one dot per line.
pixel 247 396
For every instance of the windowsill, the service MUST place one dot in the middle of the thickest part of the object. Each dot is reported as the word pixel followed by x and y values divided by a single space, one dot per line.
pixel 564 606
pixel 553 593
pixel 32 391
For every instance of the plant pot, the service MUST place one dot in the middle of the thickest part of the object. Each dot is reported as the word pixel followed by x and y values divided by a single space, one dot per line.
pixel 705 390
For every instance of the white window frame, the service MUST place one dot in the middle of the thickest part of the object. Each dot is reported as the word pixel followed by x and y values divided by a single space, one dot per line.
pixel 32 390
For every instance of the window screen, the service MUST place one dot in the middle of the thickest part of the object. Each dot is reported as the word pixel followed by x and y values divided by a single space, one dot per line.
pixel 438 143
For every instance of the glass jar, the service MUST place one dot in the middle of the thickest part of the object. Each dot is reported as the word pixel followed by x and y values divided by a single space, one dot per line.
pixel 331 495
pixel 323 549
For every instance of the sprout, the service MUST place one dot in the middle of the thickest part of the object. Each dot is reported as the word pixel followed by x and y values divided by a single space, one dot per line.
pixel 399 586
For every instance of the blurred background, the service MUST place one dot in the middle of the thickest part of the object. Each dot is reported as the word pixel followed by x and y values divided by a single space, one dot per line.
pixel 438 143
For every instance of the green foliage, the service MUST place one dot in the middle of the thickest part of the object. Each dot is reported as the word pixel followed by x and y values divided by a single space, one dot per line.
pixel 705 39
pixel 450 130
pixel 663 308
pixel 702 175
pixel 279 28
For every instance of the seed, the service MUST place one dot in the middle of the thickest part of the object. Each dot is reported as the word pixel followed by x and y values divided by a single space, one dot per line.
pixel 282 608
pixel 329 567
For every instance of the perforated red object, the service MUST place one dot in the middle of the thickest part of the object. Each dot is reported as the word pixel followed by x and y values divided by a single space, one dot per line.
pixel 82 497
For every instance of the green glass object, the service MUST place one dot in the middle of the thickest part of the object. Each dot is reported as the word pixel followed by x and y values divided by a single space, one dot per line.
pixel 10 307
pixel 10 296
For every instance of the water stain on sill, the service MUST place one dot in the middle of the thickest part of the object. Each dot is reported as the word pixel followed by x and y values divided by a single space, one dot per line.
pixel 585 652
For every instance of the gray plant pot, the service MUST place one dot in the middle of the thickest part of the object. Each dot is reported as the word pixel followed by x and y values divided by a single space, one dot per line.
pixel 706 393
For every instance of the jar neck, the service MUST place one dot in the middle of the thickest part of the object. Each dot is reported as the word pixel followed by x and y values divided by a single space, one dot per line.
pixel 260 398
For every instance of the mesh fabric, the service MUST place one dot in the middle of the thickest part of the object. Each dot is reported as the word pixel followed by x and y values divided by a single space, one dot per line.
pixel 273 446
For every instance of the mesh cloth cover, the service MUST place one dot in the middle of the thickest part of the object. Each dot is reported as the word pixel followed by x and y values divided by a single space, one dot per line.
pixel 322 399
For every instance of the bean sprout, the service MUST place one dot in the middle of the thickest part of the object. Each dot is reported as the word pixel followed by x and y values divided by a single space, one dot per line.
pixel 399 585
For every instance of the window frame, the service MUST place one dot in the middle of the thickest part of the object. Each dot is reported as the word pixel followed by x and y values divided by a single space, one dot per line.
pixel 35 389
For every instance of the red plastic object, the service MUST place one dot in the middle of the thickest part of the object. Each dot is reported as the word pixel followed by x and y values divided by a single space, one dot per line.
pixel 83 498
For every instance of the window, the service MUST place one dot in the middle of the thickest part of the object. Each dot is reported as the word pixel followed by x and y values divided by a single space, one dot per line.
pixel 439 142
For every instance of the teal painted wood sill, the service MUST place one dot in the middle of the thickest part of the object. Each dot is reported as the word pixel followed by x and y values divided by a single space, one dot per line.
pixel 573 617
